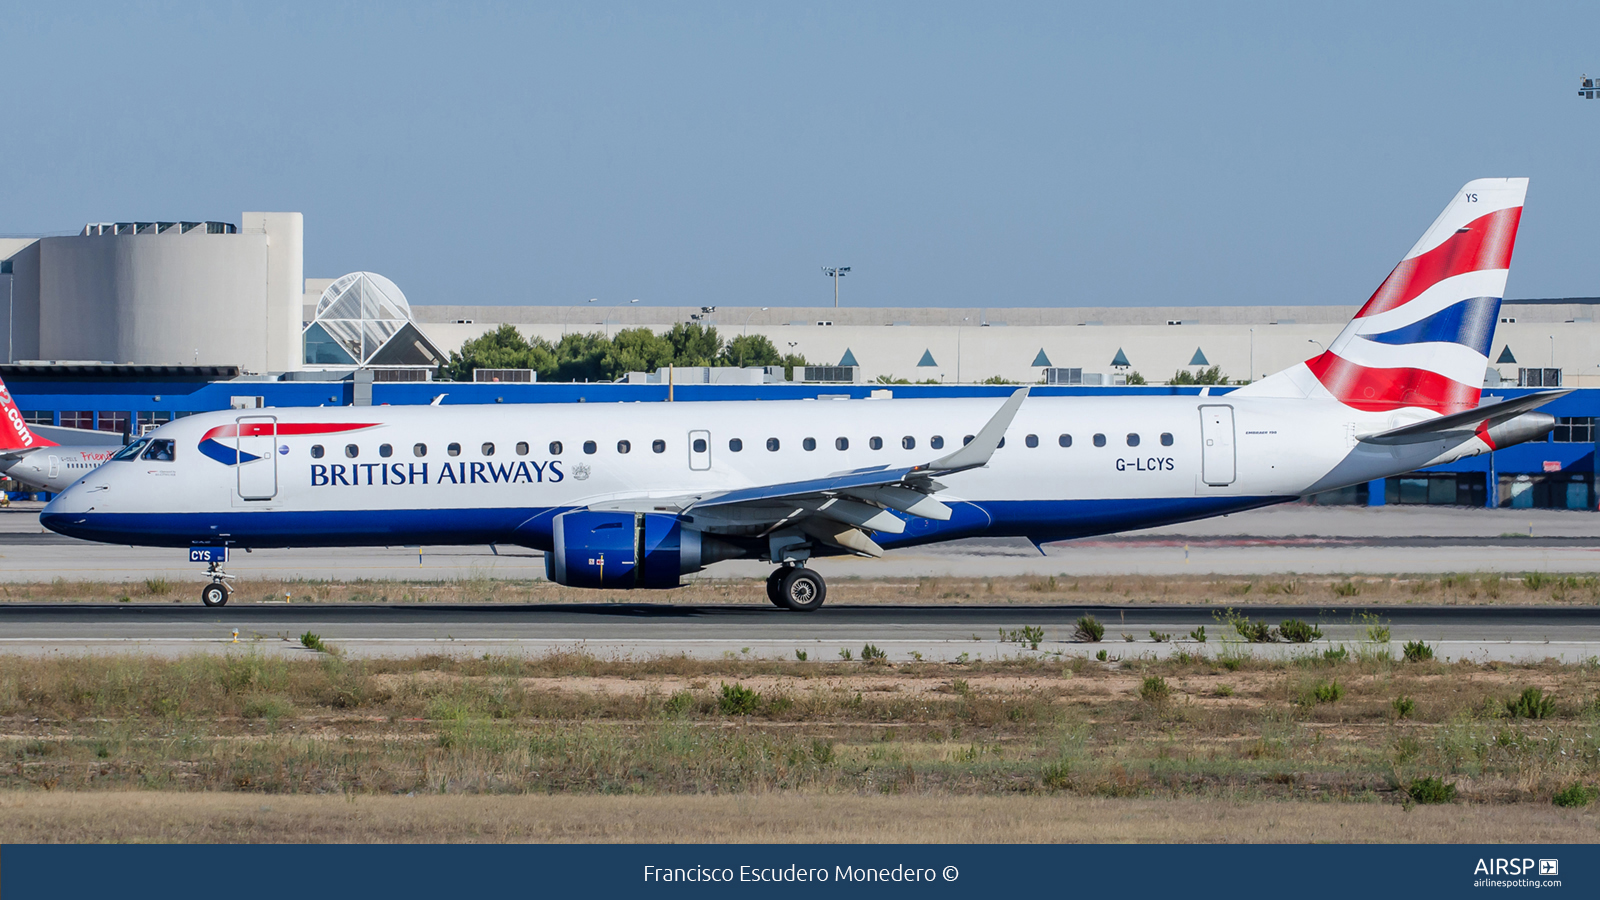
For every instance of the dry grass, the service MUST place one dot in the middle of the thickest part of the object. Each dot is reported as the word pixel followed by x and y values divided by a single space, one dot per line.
pixel 1229 728
pixel 763 818
pixel 1393 590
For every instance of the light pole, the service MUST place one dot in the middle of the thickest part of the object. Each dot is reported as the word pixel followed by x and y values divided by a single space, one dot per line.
pixel 1318 343
pixel 959 329
pixel 1252 353
pixel 836 273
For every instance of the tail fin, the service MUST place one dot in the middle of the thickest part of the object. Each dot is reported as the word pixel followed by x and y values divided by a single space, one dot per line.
pixel 1422 340
pixel 14 432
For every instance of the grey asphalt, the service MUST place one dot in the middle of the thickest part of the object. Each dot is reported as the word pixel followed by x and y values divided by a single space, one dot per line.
pixel 1286 539
pixel 632 630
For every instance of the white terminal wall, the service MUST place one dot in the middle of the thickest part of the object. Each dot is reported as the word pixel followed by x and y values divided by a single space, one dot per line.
pixel 890 342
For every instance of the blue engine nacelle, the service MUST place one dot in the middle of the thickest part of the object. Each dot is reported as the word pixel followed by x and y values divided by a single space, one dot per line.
pixel 628 550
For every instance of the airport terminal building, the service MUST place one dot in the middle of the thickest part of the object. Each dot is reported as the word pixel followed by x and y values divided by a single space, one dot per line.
pixel 127 325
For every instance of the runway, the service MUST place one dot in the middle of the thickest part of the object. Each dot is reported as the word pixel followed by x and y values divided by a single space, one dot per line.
pixel 1510 633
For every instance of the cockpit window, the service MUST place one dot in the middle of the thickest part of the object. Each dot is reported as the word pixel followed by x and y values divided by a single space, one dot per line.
pixel 132 450
pixel 160 451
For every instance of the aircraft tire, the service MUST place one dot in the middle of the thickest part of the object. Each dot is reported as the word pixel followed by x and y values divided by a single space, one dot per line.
pixel 775 587
pixel 803 590
pixel 214 594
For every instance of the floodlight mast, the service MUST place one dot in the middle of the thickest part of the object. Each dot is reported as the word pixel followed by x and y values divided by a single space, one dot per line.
pixel 836 273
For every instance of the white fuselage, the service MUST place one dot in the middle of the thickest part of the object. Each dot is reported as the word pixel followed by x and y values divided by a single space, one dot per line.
pixel 474 474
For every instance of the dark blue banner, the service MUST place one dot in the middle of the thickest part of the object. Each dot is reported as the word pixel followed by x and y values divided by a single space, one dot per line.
pixel 438 872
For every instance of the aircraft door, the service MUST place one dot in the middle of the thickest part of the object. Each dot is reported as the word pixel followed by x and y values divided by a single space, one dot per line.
pixel 257 446
pixel 55 466
pixel 699 450
pixel 1218 460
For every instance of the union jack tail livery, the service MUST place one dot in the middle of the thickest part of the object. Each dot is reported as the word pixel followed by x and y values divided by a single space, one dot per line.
pixel 1422 340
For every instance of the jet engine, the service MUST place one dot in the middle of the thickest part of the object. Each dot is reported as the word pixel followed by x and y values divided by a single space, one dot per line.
pixel 626 550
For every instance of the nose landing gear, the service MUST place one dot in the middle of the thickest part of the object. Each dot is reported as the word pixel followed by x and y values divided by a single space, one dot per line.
pixel 796 588
pixel 217 592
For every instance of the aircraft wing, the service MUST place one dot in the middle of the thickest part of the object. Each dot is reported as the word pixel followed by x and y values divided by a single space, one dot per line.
pixel 839 509
pixel 1463 424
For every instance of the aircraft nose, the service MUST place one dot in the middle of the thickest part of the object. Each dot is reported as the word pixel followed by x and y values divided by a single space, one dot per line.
pixel 69 507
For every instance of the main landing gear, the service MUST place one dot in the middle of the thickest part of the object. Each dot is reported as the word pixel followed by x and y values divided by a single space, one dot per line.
pixel 796 588
pixel 217 592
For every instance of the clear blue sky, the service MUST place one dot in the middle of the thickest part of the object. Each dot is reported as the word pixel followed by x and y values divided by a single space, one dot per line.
pixel 979 154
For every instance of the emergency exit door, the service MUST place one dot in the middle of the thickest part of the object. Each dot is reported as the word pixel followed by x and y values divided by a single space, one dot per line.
pixel 1218 461
pixel 257 446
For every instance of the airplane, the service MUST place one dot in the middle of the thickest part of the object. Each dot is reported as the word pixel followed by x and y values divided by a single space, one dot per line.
pixel 636 495
pixel 38 463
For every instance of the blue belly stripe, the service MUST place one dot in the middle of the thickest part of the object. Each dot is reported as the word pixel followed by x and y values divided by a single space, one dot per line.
pixel 1037 520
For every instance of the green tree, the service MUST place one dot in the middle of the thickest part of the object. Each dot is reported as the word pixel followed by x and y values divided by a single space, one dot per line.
pixel 1136 378
pixel 749 350
pixel 503 348
pixel 580 357
pixel 789 362
pixel 694 344
pixel 636 350
pixel 1212 375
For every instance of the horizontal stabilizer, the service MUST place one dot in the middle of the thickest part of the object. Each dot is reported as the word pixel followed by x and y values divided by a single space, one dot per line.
pixel 1463 423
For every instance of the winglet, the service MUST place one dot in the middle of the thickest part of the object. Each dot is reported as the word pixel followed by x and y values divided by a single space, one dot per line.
pixel 982 447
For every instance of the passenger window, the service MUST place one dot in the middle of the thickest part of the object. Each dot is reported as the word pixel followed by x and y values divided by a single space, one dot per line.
pixel 1065 440
pixel 699 445
pixel 772 444
pixel 875 442
pixel 936 442
pixel 352 451
pixel 966 440
pixel 416 450
pixel 522 448
pixel 1133 440
pixel 1099 440
pixel 809 443
pixel 908 442
pixel 735 444
pixel 1166 439
pixel 1031 440
pixel 624 447
pixel 385 450
pixel 590 447
pixel 160 451
pixel 488 448
pixel 841 443
pixel 453 449
pixel 658 446
pixel 555 448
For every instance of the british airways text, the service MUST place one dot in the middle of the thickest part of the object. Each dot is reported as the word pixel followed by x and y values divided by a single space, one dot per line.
pixel 356 474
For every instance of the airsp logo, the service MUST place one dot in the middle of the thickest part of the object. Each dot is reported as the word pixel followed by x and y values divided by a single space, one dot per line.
pixel 580 472
pixel 1549 867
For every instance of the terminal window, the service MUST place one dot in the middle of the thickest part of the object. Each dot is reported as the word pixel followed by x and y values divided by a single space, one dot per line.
pixel 77 418
pixel 113 421
pixel 39 416
pixel 1573 430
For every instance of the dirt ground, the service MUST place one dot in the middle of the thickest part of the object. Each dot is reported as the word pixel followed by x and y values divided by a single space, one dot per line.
pixel 763 818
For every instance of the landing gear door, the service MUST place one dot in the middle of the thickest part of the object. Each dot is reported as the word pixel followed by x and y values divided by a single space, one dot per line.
pixel 1218 461
pixel 257 445
pixel 699 450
